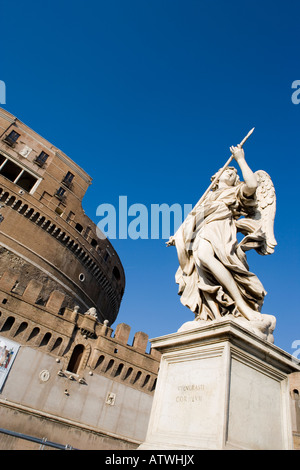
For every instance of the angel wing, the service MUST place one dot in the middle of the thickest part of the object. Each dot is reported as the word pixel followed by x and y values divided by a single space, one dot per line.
pixel 259 227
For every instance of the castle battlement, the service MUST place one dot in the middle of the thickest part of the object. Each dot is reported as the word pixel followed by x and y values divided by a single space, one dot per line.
pixel 59 331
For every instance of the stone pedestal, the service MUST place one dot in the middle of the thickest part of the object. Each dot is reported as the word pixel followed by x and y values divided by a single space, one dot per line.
pixel 220 386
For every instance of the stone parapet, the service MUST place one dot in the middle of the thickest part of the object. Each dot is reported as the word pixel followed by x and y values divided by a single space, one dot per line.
pixel 221 386
pixel 58 330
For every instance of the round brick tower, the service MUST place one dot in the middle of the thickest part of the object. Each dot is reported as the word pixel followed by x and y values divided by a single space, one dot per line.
pixel 44 233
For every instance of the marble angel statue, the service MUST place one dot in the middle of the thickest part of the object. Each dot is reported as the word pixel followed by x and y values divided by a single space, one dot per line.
pixel 213 275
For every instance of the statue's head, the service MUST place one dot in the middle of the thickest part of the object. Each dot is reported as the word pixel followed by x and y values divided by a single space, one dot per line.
pixel 230 176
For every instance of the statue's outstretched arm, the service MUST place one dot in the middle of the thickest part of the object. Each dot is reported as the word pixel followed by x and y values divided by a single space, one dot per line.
pixel 248 175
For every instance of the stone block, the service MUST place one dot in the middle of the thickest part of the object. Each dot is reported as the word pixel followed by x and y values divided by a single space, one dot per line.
pixel 221 387
pixel 32 291
pixel 55 301
pixel 140 341
pixel 122 333
pixel 8 280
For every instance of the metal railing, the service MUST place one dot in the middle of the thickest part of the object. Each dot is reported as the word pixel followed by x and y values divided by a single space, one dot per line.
pixel 43 442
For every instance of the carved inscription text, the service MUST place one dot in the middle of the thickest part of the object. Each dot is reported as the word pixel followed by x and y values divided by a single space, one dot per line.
pixel 190 393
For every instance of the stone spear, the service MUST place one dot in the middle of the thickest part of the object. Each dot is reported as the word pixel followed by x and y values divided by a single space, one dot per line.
pixel 217 177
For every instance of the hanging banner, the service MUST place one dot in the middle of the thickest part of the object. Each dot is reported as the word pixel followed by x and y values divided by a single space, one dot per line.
pixel 8 352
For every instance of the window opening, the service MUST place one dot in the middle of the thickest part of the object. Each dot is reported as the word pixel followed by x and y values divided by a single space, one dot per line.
pixel 60 193
pixel 76 358
pixel 46 339
pixel 12 137
pixel 8 324
pixel 2 159
pixel 79 228
pixel 68 179
pixel 119 370
pixel 10 170
pixel 58 342
pixel 26 181
pixel 116 273
pixel 41 159
pixel 17 175
pixel 34 333
pixel 59 211
pixel 70 217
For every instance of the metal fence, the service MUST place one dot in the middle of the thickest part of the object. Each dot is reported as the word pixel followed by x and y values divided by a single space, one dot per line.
pixel 43 442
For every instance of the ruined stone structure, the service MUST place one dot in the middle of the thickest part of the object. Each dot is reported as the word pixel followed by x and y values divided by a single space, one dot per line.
pixel 72 379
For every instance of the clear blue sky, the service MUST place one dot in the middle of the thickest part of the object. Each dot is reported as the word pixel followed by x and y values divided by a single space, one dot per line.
pixel 147 96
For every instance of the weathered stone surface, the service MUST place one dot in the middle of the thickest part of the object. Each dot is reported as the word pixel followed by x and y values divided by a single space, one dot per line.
pixel 220 386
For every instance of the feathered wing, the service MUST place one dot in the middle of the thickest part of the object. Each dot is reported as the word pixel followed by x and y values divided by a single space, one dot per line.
pixel 259 227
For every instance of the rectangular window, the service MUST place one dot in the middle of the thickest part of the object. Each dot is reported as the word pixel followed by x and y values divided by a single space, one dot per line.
pixel 41 159
pixel 26 181
pixel 2 159
pixel 17 175
pixel 59 210
pixel 10 170
pixel 79 227
pixel 68 179
pixel 60 193
pixel 12 138
pixel 70 217
pixel 87 232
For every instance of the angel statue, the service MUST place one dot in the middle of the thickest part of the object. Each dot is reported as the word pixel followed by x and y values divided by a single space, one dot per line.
pixel 213 275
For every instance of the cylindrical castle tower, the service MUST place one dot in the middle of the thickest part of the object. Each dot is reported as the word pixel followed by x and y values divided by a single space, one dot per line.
pixel 44 232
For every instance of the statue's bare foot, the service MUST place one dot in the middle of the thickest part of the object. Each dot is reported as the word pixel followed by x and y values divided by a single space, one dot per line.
pixel 249 314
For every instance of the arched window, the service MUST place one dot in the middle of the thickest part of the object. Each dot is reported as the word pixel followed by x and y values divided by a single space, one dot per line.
pixel 110 364
pixel 57 343
pixel 29 213
pixel 40 221
pixel 17 206
pixel 52 228
pixel 128 373
pixel 21 328
pixel 34 333
pixel 35 217
pixel 76 358
pixel 154 385
pixel 47 225
pixel 99 362
pixel 8 324
pixel 146 380
pixel 46 339
pixel 23 209
pixel 119 370
pixel 139 373
pixel 4 197
pixel 11 201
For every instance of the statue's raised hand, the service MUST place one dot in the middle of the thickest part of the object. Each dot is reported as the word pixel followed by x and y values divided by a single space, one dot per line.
pixel 238 153
pixel 171 241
